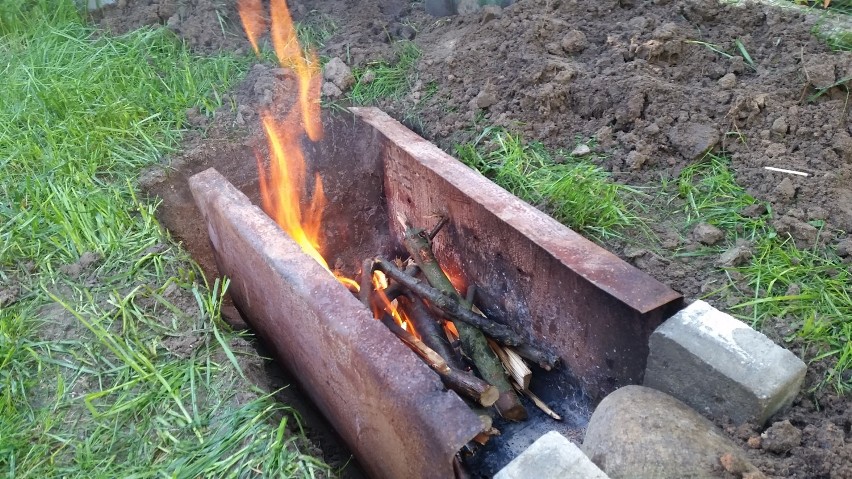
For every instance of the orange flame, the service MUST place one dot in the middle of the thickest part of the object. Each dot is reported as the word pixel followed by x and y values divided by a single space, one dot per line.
pixel 281 190
pixel 283 187
pixel 380 282
pixel 348 282
pixel 253 21
pixel 289 53
pixel 451 330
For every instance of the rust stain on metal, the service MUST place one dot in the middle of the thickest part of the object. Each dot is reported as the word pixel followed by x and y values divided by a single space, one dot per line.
pixel 387 405
pixel 593 308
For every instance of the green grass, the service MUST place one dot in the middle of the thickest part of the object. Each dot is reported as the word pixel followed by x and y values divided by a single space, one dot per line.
pixel 712 196
pixel 315 30
pixel 391 80
pixel 93 382
pixel 808 290
pixel 835 23
pixel 574 191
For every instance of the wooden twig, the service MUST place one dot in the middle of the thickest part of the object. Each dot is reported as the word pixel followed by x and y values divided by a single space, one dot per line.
pixel 438 226
pixel 459 381
pixel 537 401
pixel 431 331
pixel 545 359
pixel 784 170
pixel 366 290
pixel 474 342
pixel 448 305
pixel 394 290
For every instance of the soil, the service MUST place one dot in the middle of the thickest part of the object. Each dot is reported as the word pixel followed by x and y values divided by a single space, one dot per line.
pixel 638 76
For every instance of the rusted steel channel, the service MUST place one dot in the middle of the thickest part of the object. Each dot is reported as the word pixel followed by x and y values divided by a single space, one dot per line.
pixel 546 281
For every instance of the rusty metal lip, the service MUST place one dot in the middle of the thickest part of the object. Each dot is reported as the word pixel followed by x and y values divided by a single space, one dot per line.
pixel 602 268
pixel 420 392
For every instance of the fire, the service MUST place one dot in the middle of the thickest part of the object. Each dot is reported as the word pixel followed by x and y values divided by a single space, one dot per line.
pixel 380 283
pixel 307 70
pixel 253 21
pixel 284 186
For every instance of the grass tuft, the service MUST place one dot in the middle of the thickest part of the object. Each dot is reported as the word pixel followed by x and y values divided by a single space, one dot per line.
pixel 390 80
pixel 574 191
pixel 712 195
pixel 315 30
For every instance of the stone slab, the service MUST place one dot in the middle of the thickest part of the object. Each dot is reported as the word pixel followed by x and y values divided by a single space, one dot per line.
pixel 722 367
pixel 552 456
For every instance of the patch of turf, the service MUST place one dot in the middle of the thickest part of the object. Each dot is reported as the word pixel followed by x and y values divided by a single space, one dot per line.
pixel 389 79
pixel 315 29
pixel 807 291
pixel 116 366
pixel 575 191
pixel 712 196
pixel 811 290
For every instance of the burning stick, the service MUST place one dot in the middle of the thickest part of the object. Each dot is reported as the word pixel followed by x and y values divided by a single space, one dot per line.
pixel 449 305
pixel 514 364
pixel 429 329
pixel 395 289
pixel 459 381
pixel 366 283
pixel 452 309
pixel 537 401
pixel 473 340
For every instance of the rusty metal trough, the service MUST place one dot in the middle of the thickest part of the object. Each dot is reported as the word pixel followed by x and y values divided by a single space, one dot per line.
pixel 546 281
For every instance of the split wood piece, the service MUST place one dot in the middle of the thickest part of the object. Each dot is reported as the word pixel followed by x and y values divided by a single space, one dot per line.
pixel 450 306
pixel 474 342
pixel 366 290
pixel 461 382
pixel 514 364
pixel 537 401
pixel 431 331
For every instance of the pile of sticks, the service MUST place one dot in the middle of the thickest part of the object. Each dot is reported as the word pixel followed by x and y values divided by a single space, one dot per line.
pixel 482 360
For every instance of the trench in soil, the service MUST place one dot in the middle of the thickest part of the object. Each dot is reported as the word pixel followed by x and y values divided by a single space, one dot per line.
pixel 356 226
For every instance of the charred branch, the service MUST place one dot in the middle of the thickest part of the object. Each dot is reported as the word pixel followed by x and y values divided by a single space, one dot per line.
pixel 448 305
pixel 438 226
pixel 431 331
pixel 394 289
pixel 545 359
pixel 474 342
pixel 459 381
pixel 366 283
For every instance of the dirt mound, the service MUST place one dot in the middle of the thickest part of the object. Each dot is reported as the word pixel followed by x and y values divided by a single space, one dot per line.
pixel 658 84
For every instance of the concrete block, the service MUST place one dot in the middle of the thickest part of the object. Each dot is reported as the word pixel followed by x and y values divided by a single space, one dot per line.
pixel 551 456
pixel 721 367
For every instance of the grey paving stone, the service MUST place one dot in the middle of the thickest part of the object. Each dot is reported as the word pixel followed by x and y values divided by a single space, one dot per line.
pixel 721 367
pixel 552 456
